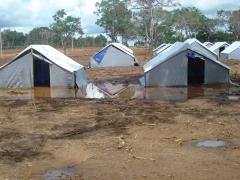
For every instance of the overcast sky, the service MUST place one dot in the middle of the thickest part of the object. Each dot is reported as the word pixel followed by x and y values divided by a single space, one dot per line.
pixel 23 15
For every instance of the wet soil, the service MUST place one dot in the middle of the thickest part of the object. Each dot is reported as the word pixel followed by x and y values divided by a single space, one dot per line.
pixel 121 137
pixel 117 139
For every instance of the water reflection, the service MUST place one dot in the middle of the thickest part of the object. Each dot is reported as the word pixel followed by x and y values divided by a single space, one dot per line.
pixel 111 89
pixel 90 92
pixel 131 91
pixel 184 93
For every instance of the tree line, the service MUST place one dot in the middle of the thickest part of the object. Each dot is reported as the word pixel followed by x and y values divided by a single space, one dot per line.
pixel 64 32
pixel 146 22
pixel 151 23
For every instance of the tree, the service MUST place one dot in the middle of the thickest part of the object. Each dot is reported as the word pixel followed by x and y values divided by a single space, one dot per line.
pixel 66 27
pixel 115 18
pixel 222 36
pixel 13 39
pixel 190 22
pixel 100 41
pixel 148 12
pixel 230 20
pixel 41 35
pixel 159 29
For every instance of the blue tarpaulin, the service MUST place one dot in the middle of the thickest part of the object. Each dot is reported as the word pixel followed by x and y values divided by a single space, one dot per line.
pixel 191 55
pixel 99 56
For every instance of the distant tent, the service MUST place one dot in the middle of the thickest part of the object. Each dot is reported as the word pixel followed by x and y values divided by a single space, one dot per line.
pixel 198 46
pixel 42 65
pixel 182 65
pixel 113 55
pixel 219 47
pixel 159 47
pixel 231 52
pixel 162 49
pixel 208 44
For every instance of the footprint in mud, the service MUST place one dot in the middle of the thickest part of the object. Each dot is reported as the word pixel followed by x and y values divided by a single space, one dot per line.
pixel 62 173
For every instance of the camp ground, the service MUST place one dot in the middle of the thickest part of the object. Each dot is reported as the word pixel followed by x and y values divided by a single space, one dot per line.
pixel 208 44
pixel 232 52
pixel 42 66
pixel 182 65
pixel 119 90
pixel 113 55
pixel 218 47
pixel 162 49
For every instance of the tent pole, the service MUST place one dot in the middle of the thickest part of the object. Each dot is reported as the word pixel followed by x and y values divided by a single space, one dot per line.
pixel 145 80
pixel 32 68
pixel 145 85
pixel 1 43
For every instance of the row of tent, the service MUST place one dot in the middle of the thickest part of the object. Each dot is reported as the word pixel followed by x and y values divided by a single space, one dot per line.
pixel 178 64
pixel 223 50
pixel 44 66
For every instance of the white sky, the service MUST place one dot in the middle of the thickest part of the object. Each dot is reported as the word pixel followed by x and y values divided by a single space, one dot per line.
pixel 23 15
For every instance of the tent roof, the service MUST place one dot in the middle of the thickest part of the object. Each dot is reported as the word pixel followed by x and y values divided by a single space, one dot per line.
pixel 159 47
pixel 53 56
pixel 217 45
pixel 207 43
pixel 232 47
pixel 163 48
pixel 122 47
pixel 193 41
pixel 172 51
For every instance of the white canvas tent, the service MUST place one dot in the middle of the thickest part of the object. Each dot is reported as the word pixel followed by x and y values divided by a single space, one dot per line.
pixel 162 49
pixel 113 55
pixel 198 46
pixel 231 52
pixel 159 47
pixel 208 44
pixel 219 47
pixel 181 65
pixel 42 65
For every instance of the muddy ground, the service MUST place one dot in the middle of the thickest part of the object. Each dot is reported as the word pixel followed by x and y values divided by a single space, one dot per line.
pixel 118 138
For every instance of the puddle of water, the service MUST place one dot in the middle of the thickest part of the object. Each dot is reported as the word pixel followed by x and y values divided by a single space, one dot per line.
pixel 234 98
pixel 183 93
pixel 131 91
pixel 210 144
pixel 63 173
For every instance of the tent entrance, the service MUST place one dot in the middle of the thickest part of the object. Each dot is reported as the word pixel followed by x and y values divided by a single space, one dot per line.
pixel 196 70
pixel 221 49
pixel 41 73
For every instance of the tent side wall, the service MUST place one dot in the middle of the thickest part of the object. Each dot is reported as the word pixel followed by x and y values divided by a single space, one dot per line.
pixel 166 73
pixel 224 56
pixel 215 73
pixel 18 74
pixel 81 78
pixel 235 55
pixel 60 77
pixel 115 57
pixel 93 63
